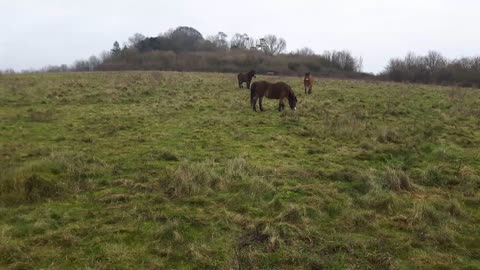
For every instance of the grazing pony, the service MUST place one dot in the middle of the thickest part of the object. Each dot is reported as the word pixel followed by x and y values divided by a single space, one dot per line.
pixel 308 83
pixel 279 90
pixel 246 78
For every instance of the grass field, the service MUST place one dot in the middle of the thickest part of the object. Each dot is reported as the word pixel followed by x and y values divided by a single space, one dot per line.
pixel 150 170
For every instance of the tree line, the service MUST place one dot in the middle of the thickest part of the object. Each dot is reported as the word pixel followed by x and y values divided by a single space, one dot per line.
pixel 188 39
pixel 434 68
pixel 186 49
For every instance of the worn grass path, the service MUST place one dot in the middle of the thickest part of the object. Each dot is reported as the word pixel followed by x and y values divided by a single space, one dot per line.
pixel 163 170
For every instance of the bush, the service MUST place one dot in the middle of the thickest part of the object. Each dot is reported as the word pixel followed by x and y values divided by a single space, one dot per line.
pixel 231 61
pixel 434 68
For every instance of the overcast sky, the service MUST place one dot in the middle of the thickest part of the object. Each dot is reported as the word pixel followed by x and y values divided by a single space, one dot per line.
pixel 36 33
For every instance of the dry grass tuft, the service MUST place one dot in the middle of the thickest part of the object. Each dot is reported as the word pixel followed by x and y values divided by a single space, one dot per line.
pixel 397 180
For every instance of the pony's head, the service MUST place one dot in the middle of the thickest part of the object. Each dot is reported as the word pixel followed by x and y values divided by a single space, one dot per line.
pixel 251 74
pixel 307 74
pixel 292 101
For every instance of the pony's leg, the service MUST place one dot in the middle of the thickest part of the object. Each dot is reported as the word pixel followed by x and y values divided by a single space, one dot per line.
pixel 281 105
pixel 260 103
pixel 240 84
pixel 248 85
pixel 254 103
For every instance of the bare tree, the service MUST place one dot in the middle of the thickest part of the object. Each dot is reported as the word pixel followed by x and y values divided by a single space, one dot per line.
pixel 219 40
pixel 81 65
pixel 105 55
pixel 411 60
pixel 273 45
pixel 222 40
pixel 343 60
pixel 476 63
pixel 359 64
pixel 93 62
pixel 242 41
pixel 395 70
pixel 434 61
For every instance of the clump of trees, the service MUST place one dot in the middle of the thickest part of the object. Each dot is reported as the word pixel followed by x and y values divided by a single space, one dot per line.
pixel 229 61
pixel 178 40
pixel 188 39
pixel 90 64
pixel 434 68
pixel 185 49
pixel 271 45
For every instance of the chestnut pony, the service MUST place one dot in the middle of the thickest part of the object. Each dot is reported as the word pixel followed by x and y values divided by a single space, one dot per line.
pixel 246 78
pixel 308 83
pixel 279 90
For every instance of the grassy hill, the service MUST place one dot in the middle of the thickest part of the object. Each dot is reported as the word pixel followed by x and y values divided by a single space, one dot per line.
pixel 149 170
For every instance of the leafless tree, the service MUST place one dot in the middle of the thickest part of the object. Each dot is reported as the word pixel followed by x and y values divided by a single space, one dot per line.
pixel 219 40
pixel 272 45
pixel 93 62
pixel 343 60
pixel 105 55
pixel 81 65
pixel 242 41
pixel 434 61
pixel 476 63
pixel 411 60
pixel 395 70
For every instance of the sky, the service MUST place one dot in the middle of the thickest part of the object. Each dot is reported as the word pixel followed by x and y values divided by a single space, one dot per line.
pixel 37 33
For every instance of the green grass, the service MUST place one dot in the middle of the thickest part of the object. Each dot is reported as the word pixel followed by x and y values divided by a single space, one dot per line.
pixel 150 170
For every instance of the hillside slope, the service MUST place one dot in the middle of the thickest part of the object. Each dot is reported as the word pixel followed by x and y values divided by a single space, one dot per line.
pixel 163 170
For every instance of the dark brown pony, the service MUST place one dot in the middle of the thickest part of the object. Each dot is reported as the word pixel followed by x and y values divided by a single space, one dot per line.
pixel 308 83
pixel 246 78
pixel 279 90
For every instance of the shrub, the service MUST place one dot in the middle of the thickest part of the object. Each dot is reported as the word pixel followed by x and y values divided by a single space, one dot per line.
pixel 229 61
pixel 434 68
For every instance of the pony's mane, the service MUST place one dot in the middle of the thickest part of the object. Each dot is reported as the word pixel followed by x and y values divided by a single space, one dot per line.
pixel 291 95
